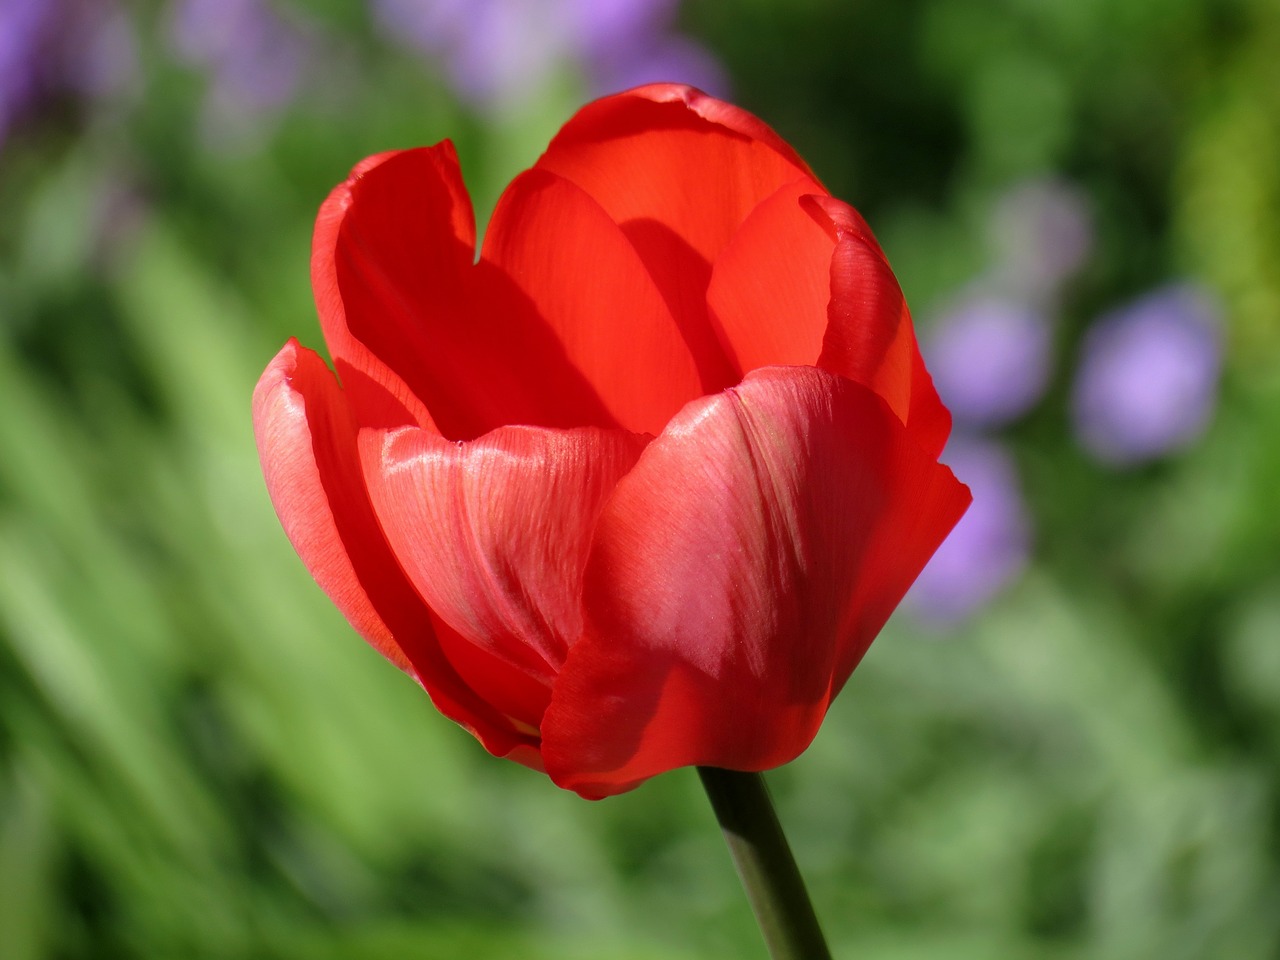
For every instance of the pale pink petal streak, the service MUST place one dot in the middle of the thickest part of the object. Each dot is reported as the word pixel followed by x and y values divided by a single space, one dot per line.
pixel 306 435
pixel 494 533
pixel 738 574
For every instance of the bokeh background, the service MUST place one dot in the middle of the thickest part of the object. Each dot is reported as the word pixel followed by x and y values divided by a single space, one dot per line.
pixel 1064 746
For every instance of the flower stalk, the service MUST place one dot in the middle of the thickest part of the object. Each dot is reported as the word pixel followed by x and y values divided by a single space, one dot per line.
pixel 765 864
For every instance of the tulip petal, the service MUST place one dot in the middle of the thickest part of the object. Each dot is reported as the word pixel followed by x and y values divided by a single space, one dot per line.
pixel 812 260
pixel 870 337
pixel 739 573
pixel 494 535
pixel 306 435
pixel 408 314
pixel 392 241
pixel 771 285
pixel 672 156
pixel 581 275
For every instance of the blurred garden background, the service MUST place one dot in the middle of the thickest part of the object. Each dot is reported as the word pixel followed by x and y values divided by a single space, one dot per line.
pixel 1065 745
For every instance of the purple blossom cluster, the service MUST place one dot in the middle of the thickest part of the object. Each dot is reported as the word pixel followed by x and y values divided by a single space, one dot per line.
pixel 48 48
pixel 256 54
pixel 498 52
pixel 254 60
pixel 990 356
pixel 1144 386
pixel 1147 380
pixel 991 353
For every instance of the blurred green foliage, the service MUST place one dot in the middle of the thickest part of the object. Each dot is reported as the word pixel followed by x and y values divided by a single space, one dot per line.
pixel 198 758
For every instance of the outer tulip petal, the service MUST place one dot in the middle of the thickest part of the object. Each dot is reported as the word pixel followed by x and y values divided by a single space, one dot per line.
pixel 406 310
pixel 738 575
pixel 571 261
pixel 670 155
pixel 306 436
pixel 494 535
pixel 870 337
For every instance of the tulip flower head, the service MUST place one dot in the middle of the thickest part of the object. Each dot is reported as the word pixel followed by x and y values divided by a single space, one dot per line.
pixel 636 488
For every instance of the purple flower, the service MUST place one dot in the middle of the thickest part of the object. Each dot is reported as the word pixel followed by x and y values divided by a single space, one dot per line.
pixel 624 43
pixel 666 58
pixel 988 547
pixel 498 52
pixel 82 47
pixel 254 59
pixel 1148 376
pixel 21 24
pixel 605 26
pixel 97 49
pixel 1042 232
pixel 491 51
pixel 990 359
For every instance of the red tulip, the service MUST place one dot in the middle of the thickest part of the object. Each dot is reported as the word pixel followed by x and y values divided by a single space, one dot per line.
pixel 635 489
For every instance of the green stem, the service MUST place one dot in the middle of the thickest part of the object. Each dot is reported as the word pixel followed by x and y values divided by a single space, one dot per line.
pixel 765 864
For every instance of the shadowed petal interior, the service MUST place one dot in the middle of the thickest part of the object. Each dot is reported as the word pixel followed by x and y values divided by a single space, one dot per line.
pixel 398 289
pixel 771 286
pixel 578 271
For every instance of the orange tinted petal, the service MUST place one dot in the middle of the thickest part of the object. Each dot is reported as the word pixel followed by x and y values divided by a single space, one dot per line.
pixel 771 285
pixel 585 281
pixel 674 156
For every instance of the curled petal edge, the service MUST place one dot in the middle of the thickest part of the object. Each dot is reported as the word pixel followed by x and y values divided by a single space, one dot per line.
pixel 307 440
